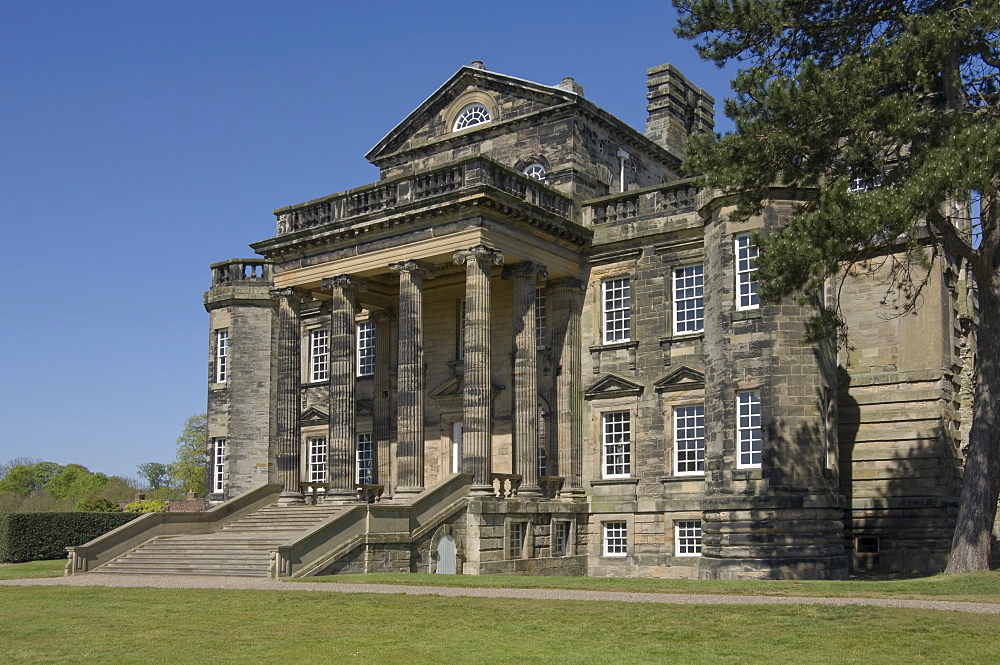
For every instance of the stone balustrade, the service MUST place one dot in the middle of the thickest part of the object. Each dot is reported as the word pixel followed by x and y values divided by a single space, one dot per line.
pixel 370 493
pixel 401 191
pixel 235 271
pixel 505 485
pixel 672 198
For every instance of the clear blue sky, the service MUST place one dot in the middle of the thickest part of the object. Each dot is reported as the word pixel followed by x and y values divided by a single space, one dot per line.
pixel 141 141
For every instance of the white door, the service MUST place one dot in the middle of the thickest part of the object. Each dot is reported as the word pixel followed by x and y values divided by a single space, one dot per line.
pixel 446 563
pixel 456 448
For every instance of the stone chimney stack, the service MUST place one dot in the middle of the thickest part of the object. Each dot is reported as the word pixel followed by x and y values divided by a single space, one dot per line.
pixel 677 109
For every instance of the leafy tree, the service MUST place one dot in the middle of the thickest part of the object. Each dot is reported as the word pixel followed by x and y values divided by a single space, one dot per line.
pixel 901 98
pixel 155 474
pixel 75 481
pixel 22 479
pixel 188 469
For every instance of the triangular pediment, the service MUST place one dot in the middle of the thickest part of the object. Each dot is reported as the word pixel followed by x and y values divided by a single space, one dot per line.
pixel 682 378
pixel 612 385
pixel 314 416
pixel 449 388
pixel 365 407
pixel 430 120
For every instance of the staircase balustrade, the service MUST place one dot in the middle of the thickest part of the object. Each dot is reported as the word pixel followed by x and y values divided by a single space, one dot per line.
pixel 506 485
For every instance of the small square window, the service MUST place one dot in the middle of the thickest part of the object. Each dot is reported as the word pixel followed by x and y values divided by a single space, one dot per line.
pixel 615 539
pixel 687 538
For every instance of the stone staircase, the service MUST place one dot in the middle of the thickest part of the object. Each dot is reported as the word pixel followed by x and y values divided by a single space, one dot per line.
pixel 238 549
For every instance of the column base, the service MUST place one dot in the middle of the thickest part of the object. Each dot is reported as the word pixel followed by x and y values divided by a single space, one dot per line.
pixel 482 490
pixel 407 492
pixel 291 499
pixel 573 493
pixel 529 492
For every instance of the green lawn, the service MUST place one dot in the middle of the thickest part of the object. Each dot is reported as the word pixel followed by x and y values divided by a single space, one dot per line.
pixel 979 587
pixel 20 571
pixel 118 625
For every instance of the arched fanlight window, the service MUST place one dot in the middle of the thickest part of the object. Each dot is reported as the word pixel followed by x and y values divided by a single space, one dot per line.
pixel 534 170
pixel 473 114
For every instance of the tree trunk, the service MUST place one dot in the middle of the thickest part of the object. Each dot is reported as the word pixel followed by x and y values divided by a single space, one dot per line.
pixel 970 547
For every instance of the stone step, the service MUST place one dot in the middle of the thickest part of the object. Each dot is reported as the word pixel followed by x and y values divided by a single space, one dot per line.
pixel 239 549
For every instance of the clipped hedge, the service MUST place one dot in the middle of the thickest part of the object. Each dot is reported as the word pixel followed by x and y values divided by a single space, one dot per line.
pixel 39 536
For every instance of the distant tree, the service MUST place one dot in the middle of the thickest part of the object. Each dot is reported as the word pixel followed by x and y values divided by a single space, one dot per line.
pixel 155 474
pixel 17 461
pixel 188 469
pixel 119 489
pixel 75 481
pixel 96 504
pixel 889 112
pixel 23 479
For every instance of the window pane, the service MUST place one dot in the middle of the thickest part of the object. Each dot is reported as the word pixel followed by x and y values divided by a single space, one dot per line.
pixel 689 300
pixel 689 440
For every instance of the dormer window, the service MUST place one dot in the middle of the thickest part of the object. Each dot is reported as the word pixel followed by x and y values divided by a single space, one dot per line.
pixel 473 114
pixel 534 170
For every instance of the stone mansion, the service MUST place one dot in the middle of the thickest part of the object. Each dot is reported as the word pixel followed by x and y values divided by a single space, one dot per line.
pixel 535 346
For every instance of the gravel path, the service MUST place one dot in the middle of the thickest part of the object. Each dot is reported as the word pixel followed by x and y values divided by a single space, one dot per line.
pixel 206 582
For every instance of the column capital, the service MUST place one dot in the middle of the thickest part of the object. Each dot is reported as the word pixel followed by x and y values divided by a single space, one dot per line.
pixel 412 265
pixel 525 269
pixel 479 253
pixel 381 315
pixel 570 284
pixel 344 282
pixel 289 293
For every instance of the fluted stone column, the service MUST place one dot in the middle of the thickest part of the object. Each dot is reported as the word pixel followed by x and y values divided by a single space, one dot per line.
pixel 526 276
pixel 567 300
pixel 382 402
pixel 477 444
pixel 288 394
pixel 410 377
pixel 343 371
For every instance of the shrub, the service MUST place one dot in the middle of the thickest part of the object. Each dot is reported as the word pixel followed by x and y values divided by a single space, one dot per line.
pixel 146 506
pixel 97 504
pixel 37 536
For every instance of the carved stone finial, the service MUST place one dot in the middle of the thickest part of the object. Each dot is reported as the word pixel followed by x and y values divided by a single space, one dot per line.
pixel 344 282
pixel 525 269
pixel 479 253
pixel 412 265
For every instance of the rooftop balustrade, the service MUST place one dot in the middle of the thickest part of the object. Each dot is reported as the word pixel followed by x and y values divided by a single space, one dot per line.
pixel 669 199
pixel 425 186
pixel 236 271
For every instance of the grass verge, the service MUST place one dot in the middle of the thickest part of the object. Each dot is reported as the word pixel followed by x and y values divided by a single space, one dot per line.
pixel 978 587
pixel 119 625
pixel 32 569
